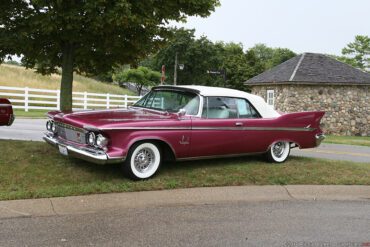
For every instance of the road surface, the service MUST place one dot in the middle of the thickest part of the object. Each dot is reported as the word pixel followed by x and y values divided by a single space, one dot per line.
pixel 281 223
pixel 24 129
pixel 32 129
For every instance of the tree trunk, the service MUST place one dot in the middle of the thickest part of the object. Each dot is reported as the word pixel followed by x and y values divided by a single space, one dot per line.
pixel 139 88
pixel 67 78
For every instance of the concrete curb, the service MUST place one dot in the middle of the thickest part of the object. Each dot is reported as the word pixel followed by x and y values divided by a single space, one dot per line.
pixel 193 196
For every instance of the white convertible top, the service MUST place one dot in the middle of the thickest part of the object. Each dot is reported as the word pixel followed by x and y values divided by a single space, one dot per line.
pixel 258 102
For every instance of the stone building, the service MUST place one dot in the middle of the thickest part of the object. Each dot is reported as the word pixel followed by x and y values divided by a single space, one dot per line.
pixel 312 81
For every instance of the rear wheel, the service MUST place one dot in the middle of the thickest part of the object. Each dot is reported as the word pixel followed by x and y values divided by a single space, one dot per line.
pixel 143 161
pixel 278 152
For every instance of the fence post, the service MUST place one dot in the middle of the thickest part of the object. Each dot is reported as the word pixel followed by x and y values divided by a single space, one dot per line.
pixel 125 100
pixel 108 103
pixel 58 100
pixel 26 99
pixel 85 100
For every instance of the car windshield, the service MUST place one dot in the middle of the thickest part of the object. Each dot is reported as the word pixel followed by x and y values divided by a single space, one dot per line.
pixel 171 101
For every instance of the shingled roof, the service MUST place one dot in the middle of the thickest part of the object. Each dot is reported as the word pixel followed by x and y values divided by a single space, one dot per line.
pixel 312 68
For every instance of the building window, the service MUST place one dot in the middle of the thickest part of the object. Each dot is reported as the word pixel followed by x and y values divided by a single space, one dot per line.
pixel 271 98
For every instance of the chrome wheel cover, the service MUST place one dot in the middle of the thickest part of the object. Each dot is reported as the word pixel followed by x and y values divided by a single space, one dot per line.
pixel 144 159
pixel 278 149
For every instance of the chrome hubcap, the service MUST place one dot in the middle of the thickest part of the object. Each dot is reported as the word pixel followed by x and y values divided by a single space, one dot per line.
pixel 144 159
pixel 278 149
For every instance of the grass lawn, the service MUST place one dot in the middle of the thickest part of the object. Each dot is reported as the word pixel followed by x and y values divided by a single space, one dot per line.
pixel 349 140
pixel 30 114
pixel 17 76
pixel 35 170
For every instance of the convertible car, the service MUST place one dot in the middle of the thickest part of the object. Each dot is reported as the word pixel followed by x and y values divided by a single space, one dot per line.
pixel 6 113
pixel 182 123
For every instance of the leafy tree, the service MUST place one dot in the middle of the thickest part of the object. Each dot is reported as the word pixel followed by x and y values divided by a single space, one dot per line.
pixel 237 66
pixel 88 36
pixel 12 62
pixel 200 55
pixel 142 77
pixel 263 52
pixel 357 53
pixel 271 57
pixel 279 56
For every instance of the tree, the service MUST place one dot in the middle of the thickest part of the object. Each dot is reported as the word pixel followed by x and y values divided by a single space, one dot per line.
pixel 142 77
pixel 279 56
pixel 200 55
pixel 357 53
pixel 263 52
pixel 88 36
pixel 271 57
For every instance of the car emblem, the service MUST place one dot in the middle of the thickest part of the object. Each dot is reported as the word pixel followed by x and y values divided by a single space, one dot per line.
pixel 184 140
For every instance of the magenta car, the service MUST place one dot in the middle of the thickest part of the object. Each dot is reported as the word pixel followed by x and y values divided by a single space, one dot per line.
pixel 182 123
pixel 6 113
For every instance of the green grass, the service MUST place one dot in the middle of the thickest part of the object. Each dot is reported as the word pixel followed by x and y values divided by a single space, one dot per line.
pixel 35 170
pixel 349 140
pixel 30 114
pixel 17 76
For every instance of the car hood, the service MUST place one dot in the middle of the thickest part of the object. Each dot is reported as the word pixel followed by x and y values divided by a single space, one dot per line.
pixel 113 118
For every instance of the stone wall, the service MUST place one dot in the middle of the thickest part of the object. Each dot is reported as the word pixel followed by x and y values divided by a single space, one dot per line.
pixel 347 107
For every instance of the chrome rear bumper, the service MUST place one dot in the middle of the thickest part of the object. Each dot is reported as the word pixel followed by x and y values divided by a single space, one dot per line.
pixel 319 139
pixel 89 154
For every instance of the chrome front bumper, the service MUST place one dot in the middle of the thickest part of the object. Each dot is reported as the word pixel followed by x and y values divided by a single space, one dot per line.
pixel 89 154
pixel 319 139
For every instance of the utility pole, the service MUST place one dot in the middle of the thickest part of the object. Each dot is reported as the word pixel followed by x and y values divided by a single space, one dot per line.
pixel 175 71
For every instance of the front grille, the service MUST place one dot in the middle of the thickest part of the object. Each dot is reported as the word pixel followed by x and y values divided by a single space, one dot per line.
pixel 71 133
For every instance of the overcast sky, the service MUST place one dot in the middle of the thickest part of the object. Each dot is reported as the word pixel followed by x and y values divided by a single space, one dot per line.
pixel 323 26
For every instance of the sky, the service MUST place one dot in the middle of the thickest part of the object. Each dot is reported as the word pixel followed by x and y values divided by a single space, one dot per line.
pixel 322 26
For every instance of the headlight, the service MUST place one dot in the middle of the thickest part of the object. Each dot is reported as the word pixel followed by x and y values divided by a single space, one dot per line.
pixel 101 141
pixel 91 139
pixel 48 125
pixel 53 127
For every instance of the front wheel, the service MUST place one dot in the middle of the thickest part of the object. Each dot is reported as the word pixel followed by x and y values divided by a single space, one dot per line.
pixel 278 152
pixel 142 161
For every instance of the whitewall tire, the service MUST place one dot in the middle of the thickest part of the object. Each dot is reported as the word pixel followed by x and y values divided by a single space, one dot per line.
pixel 142 161
pixel 278 152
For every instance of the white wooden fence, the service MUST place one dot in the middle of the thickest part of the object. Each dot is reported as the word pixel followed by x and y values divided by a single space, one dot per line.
pixel 45 99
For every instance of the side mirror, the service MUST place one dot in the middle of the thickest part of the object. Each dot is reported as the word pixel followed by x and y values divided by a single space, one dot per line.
pixel 181 112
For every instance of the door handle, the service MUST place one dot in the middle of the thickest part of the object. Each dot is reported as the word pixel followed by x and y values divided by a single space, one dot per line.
pixel 238 124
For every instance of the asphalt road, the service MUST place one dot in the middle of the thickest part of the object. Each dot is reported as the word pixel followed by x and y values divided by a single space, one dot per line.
pixel 278 223
pixel 336 152
pixel 24 129
pixel 32 129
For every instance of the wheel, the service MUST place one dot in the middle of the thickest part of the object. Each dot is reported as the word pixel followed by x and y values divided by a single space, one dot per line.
pixel 142 161
pixel 278 152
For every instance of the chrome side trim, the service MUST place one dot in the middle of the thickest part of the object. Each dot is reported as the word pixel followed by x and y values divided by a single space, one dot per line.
pixel 88 154
pixel 138 128
pixel 255 128
pixel 218 156
pixel 5 105
pixel 92 128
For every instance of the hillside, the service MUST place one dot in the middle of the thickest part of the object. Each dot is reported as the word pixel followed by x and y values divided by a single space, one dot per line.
pixel 16 76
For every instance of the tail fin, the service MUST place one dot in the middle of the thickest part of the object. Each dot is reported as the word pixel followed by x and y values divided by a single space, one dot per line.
pixel 303 119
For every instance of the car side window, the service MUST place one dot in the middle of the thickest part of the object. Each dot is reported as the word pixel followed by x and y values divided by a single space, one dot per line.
pixel 219 107
pixel 245 109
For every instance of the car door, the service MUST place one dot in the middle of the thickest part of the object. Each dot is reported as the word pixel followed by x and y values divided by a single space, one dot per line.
pixel 256 133
pixel 218 131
